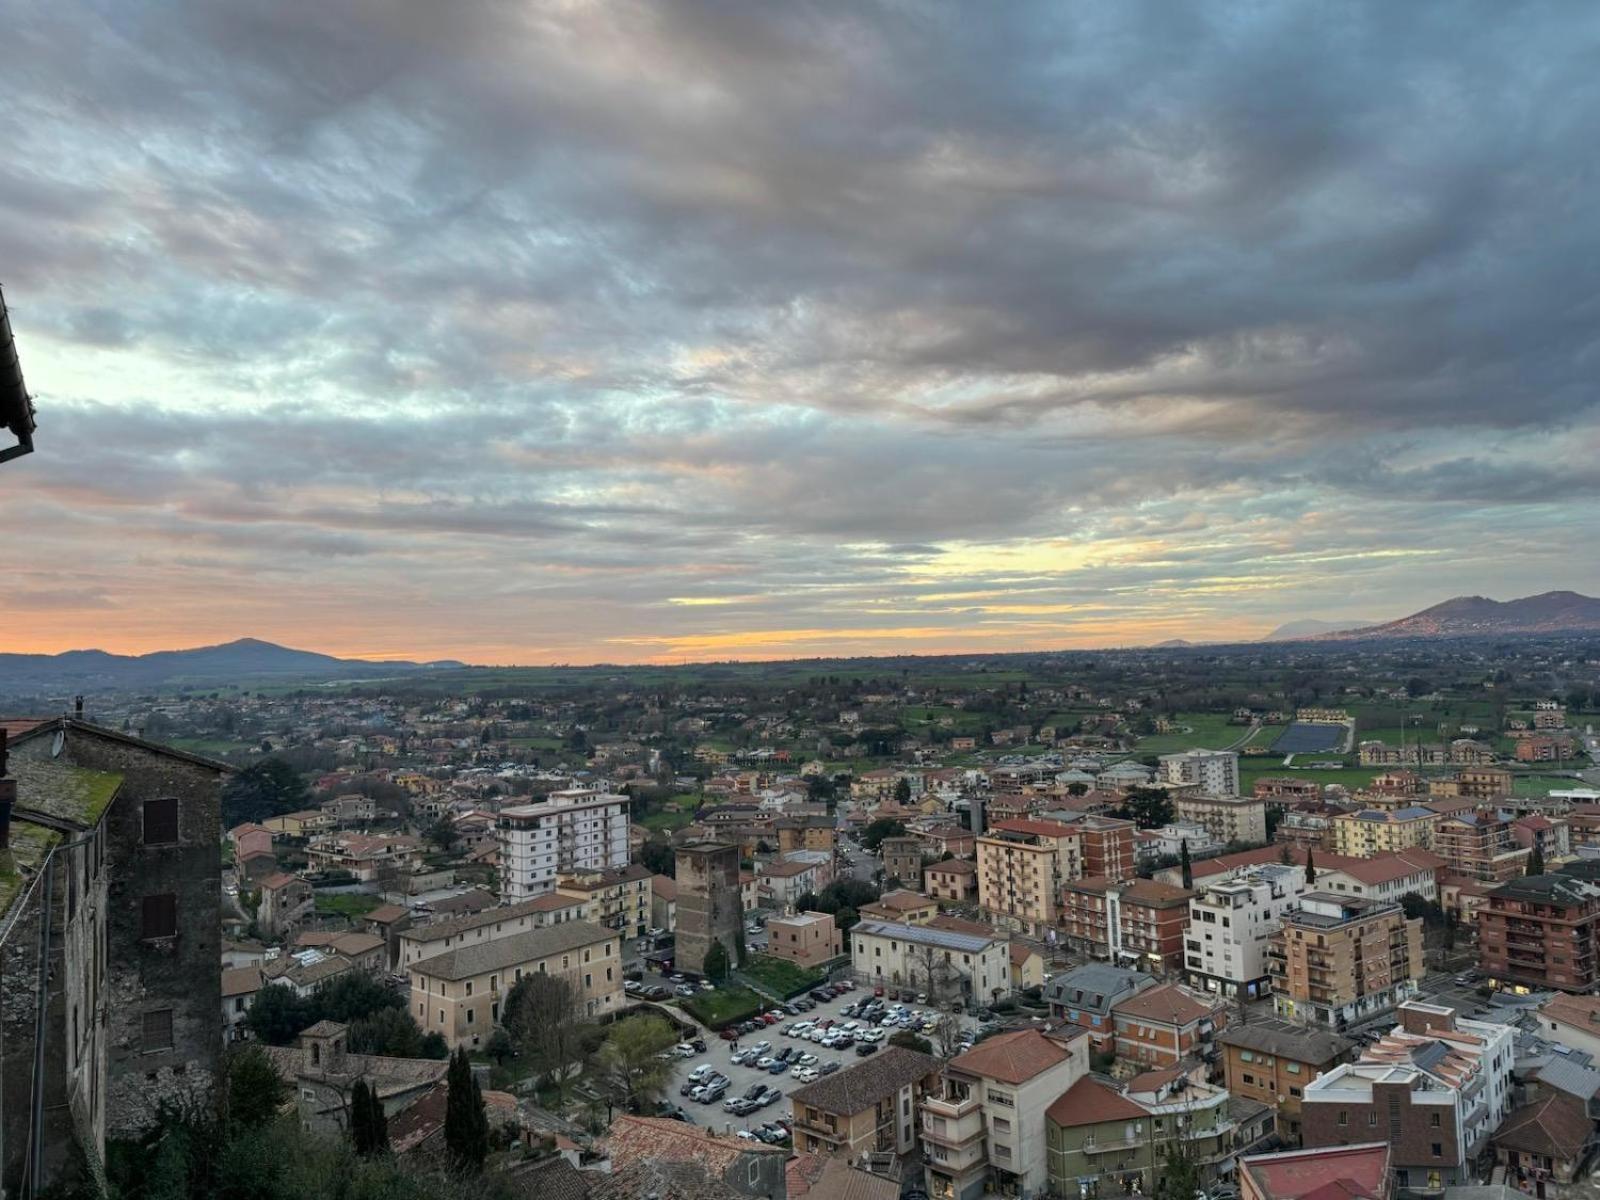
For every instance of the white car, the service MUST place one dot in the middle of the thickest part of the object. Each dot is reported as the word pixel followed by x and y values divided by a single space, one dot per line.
pixel 807 1060
pixel 805 1074
pixel 764 1063
pixel 873 1035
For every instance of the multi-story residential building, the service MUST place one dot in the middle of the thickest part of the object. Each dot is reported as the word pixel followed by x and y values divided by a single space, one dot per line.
pixel 1542 931
pixel 1271 1061
pixel 109 874
pixel 617 898
pixel 1163 1025
pixel 1213 772
pixel 804 833
pixel 458 994
pixel 1369 832
pixel 955 879
pixel 1106 846
pixel 785 880
pixel 1307 825
pixel 1479 844
pixel 1551 835
pixel 239 988
pixel 286 903
pixel 871 1108
pixel 1230 925
pixel 1140 923
pixel 1236 820
pixel 1544 747
pixel 1171 840
pixel 1021 867
pixel 1435 1089
pixel 808 938
pixel 710 902
pixel 986 1130
pixel 573 830
pixel 946 964
pixel 1339 960
pixel 365 857
pixel 902 860
pixel 1085 996
pixel 1108 1140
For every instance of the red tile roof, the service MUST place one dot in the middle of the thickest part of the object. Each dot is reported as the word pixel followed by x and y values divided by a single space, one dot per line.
pixel 1052 829
pixel 1556 1126
pixel 633 1139
pixel 1325 1173
pixel 1168 1002
pixel 1012 1057
pixel 1089 1102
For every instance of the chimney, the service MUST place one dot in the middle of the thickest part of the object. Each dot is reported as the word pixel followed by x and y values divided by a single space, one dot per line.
pixel 8 795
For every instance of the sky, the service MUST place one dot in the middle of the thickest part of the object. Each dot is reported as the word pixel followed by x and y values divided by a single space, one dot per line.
pixel 578 331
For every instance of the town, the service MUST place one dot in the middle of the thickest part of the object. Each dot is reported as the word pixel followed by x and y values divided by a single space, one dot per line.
pixel 1016 926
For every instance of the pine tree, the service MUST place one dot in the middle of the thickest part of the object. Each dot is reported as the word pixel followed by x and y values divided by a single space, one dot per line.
pixel 466 1127
pixel 1183 861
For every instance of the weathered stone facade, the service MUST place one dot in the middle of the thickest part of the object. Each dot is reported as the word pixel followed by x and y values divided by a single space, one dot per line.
pixel 709 904
pixel 133 1013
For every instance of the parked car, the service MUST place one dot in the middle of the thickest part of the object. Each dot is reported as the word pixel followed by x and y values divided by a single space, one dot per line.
pixel 866 1048
pixel 829 1067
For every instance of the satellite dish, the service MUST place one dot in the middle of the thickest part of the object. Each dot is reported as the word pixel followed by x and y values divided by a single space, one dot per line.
pixel 58 743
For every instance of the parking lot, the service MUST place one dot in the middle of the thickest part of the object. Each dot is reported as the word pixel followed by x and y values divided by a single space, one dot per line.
pixel 744 1077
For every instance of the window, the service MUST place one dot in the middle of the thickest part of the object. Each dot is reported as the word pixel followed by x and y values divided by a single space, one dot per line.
pixel 1294 1091
pixel 1438 1149
pixel 158 916
pixel 1249 1078
pixel 1293 1068
pixel 161 821
pixel 1433 1120
pixel 469 987
pixel 157 1033
pixel 1344 1117
pixel 1372 1118
pixel 755 1171
pixel 469 1016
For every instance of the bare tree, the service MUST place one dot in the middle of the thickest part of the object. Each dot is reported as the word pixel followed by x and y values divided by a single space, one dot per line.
pixel 545 1017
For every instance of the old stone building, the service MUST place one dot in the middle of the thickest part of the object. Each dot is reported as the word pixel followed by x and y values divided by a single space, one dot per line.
pixel 709 905
pixel 111 865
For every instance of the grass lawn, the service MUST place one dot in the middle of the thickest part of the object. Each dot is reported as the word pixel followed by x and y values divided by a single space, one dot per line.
pixel 781 976
pixel 722 1007
pixel 347 904
pixel 1251 770
pixel 1208 731
pixel 667 819
pixel 1542 785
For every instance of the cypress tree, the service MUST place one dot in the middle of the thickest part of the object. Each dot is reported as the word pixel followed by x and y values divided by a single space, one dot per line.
pixel 1311 871
pixel 1536 859
pixel 1183 860
pixel 466 1127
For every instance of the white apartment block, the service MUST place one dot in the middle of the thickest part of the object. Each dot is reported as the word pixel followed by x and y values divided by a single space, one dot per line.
pixel 573 830
pixel 1230 925
pixel 1237 819
pixel 1214 772
pixel 963 966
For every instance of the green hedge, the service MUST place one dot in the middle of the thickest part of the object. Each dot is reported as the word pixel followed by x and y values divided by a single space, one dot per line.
pixel 782 977
pixel 723 1007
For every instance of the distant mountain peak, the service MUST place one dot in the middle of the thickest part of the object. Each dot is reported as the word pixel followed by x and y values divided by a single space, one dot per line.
pixel 1468 616
pixel 1310 627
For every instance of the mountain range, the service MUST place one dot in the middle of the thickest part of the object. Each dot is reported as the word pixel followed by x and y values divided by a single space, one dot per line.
pixel 1310 627
pixel 1479 616
pixel 247 658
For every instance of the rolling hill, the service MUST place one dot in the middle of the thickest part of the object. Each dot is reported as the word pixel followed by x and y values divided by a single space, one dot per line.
pixel 247 658
pixel 1479 616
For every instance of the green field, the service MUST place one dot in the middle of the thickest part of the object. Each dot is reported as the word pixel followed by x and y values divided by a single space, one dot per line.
pixel 1252 769
pixel 678 813
pixel 780 976
pixel 1542 785
pixel 722 1007
pixel 1209 731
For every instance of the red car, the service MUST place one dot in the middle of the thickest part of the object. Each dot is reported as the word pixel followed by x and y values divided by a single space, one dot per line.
pixel 729 1034
pixel 878 991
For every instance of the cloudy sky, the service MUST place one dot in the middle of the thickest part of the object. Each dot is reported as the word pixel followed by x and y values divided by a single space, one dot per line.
pixel 572 331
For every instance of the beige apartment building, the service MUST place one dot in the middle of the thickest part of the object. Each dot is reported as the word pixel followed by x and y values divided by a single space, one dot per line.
pixel 458 994
pixel 1366 833
pixel 1239 819
pixel 808 938
pixel 618 898
pixel 1343 959
pixel 507 920
pixel 1021 867
pixel 873 1107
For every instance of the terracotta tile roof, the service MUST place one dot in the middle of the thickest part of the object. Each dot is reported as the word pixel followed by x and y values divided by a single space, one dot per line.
pixel 802 1171
pixel 1020 953
pixel 384 914
pixel 1284 1039
pixel 863 1085
pixel 1323 1173
pixel 1169 1003
pixel 1050 829
pixel 1582 1012
pixel 489 916
pixel 954 866
pixel 1386 868
pixel 842 1181
pixel 655 1139
pixel 1012 1057
pixel 240 981
pixel 1555 1125
pixel 1089 1102
pixel 664 886
pixel 281 880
